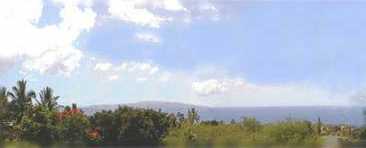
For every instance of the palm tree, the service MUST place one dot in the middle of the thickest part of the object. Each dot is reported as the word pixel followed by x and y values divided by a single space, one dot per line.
pixel 3 102
pixel 21 100
pixel 3 96
pixel 48 99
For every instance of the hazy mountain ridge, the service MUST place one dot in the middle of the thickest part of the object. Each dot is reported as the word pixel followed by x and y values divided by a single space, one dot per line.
pixel 328 114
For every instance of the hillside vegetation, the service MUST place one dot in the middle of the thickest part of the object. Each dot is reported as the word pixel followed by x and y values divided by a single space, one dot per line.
pixel 28 119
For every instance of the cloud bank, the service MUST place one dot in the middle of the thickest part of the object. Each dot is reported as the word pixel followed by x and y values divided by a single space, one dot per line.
pixel 47 49
pixel 224 90
pixel 52 48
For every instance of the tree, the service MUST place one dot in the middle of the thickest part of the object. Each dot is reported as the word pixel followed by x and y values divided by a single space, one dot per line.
pixel 132 126
pixel 48 100
pixel 3 103
pixel 319 126
pixel 251 126
pixel 140 126
pixel 193 116
pixel 3 113
pixel 180 117
pixel 363 129
pixel 21 100
pixel 211 122
pixel 290 132
pixel 232 121
pixel 74 126
pixel 105 122
pixel 42 127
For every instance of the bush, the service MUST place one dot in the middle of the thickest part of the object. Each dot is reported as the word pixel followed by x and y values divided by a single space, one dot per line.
pixel 290 133
pixel 249 132
pixel 129 126
pixel 74 128
pixel 41 128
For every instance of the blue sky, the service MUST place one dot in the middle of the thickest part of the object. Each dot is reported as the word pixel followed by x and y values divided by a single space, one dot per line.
pixel 218 53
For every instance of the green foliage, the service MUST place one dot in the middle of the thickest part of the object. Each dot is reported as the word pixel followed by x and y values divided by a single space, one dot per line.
pixel 105 122
pixel 212 122
pixel 48 100
pixel 3 103
pixel 319 125
pixel 3 114
pixel 363 129
pixel 19 144
pixel 363 133
pixel 290 133
pixel 249 132
pixel 129 126
pixel 74 128
pixel 251 125
pixel 222 135
pixel 46 124
pixel 41 128
pixel 21 100
pixel 41 123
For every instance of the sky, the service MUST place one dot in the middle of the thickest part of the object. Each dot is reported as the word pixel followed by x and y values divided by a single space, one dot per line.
pixel 204 52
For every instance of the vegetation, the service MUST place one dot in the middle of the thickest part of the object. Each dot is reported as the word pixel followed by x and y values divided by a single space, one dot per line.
pixel 355 137
pixel 248 132
pixel 30 119
pixel 128 126
pixel 24 119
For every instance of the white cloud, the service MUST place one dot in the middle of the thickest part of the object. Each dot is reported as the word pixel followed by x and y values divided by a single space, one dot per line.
pixel 135 11
pixel 210 87
pixel 202 9
pixel 153 13
pixel 138 67
pixel 208 7
pixel 103 66
pixel 113 77
pixel 216 90
pixel 52 48
pixel 234 92
pixel 210 10
pixel 171 5
pixel 43 49
pixel 140 71
pixel 142 79
pixel 55 61
pixel 147 37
